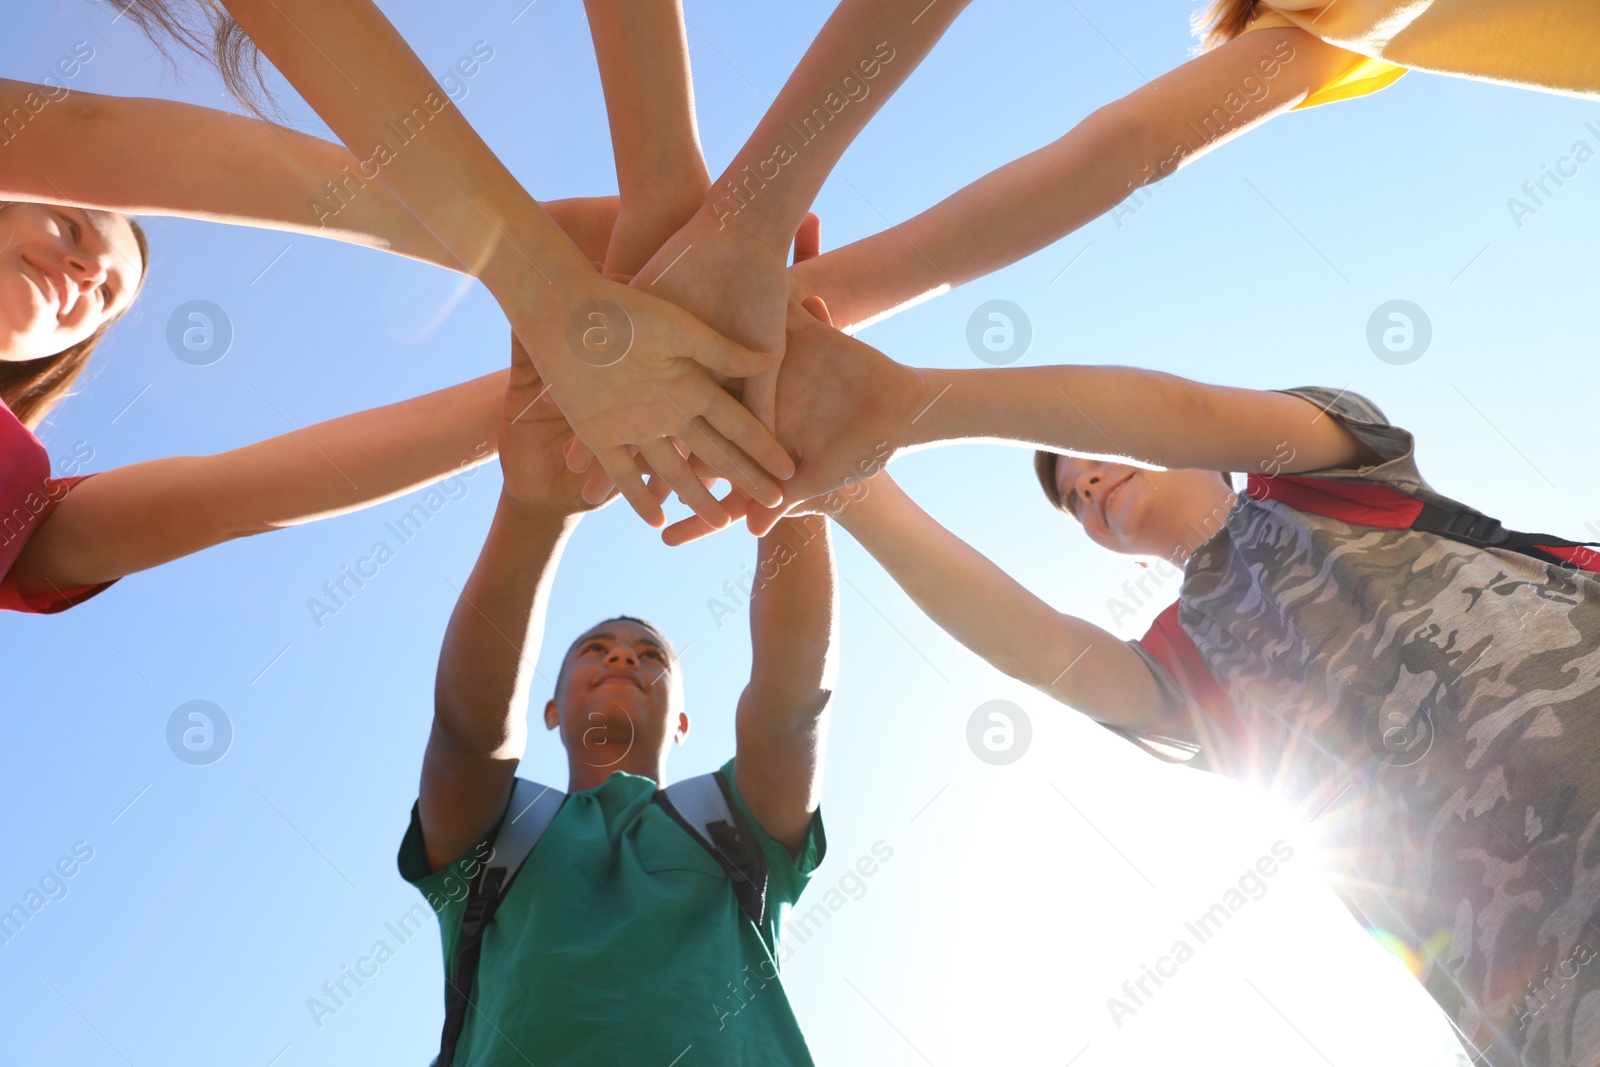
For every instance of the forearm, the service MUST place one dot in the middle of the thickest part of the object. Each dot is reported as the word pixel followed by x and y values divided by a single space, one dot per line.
pixel 994 616
pixel 487 660
pixel 387 108
pixel 782 719
pixel 160 157
pixel 643 54
pixel 485 670
pixel 1038 199
pixel 865 51
pixel 132 518
pixel 1139 416
pixel 793 616
pixel 959 588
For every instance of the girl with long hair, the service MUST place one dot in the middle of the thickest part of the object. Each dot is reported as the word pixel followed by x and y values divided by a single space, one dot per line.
pixel 66 275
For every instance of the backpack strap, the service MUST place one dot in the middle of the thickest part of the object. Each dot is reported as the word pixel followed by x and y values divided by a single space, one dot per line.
pixel 1387 507
pixel 703 806
pixel 529 814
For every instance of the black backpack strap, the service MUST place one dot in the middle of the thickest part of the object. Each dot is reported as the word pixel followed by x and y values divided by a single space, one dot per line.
pixel 704 807
pixel 1479 530
pixel 529 814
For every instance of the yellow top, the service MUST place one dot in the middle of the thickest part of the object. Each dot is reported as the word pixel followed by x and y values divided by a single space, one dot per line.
pixel 1552 45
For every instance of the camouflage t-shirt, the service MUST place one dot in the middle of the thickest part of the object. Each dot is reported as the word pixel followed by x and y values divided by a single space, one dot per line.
pixel 1435 708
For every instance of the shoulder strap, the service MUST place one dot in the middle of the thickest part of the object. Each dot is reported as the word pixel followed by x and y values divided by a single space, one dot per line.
pixel 703 805
pixel 1388 507
pixel 529 814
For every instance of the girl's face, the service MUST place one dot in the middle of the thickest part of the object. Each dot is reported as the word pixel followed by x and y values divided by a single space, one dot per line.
pixel 64 273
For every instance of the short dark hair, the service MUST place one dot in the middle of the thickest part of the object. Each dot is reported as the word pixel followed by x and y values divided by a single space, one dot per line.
pixel 652 628
pixel 1044 465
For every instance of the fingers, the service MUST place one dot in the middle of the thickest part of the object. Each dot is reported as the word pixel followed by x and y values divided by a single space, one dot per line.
pixel 719 457
pixel 671 467
pixel 694 527
pixel 733 421
pixel 619 465
pixel 760 520
pixel 817 308
pixel 659 489
pixel 598 485
pixel 578 455
pixel 808 238
pixel 721 355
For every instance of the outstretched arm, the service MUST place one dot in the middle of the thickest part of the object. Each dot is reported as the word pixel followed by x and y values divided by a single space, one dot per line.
pixel 145 156
pixel 845 408
pixel 727 264
pixel 988 611
pixel 132 518
pixel 364 81
pixel 783 713
pixel 486 664
pixel 643 54
pixel 1036 200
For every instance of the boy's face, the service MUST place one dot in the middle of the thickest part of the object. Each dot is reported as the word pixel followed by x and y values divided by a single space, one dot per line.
pixel 614 696
pixel 1140 512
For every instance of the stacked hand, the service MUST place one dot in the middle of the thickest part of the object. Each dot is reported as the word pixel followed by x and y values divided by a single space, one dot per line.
pixel 844 410
pixel 741 289
pixel 641 400
pixel 630 373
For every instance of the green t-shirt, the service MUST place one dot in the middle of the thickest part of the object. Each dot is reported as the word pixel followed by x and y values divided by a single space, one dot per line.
pixel 621 941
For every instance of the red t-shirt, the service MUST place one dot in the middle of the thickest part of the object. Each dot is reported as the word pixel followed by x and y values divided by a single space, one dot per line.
pixel 27 495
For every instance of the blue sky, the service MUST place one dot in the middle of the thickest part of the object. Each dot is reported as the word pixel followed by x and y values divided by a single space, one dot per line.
pixel 219 898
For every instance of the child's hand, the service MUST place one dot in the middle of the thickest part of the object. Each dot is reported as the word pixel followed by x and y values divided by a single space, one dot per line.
pixel 532 430
pixel 629 372
pixel 844 410
pixel 734 284
pixel 807 243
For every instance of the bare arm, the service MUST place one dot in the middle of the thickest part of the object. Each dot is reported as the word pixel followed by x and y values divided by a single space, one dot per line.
pixel 844 407
pixel 385 106
pixel 1036 200
pixel 132 518
pixel 1146 417
pixel 146 156
pixel 643 53
pixel 486 663
pixel 990 613
pixel 783 712
pixel 727 264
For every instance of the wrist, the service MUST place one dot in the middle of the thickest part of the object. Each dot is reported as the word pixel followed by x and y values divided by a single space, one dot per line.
pixel 741 200
pixel 860 513
pixel 923 399
pixel 535 267
pixel 537 515
pixel 664 192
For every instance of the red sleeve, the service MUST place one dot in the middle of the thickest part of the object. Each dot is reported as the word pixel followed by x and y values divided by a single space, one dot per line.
pixel 1216 725
pixel 1357 503
pixel 50 600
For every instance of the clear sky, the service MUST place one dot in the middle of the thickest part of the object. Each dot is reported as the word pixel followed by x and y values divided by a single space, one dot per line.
pixel 1018 898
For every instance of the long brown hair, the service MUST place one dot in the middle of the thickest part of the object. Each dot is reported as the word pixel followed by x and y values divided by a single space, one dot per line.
pixel 1220 21
pixel 30 388
pixel 205 28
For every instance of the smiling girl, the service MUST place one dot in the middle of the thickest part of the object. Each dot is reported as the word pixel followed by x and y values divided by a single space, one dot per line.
pixel 66 275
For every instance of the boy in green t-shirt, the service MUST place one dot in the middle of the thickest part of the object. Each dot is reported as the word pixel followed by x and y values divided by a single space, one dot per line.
pixel 621 940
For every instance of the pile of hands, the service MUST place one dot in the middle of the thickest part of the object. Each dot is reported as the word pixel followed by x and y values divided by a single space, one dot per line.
pixel 708 362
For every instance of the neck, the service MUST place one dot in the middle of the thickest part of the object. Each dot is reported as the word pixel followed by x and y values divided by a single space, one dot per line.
pixel 1205 523
pixel 582 775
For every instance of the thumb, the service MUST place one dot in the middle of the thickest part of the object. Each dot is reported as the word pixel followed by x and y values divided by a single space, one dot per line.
pixel 817 308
